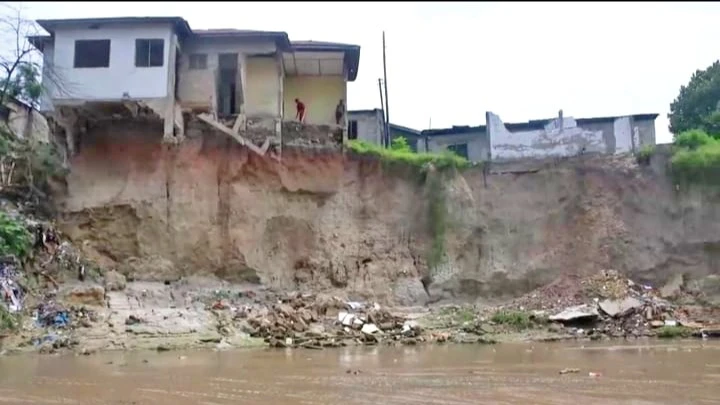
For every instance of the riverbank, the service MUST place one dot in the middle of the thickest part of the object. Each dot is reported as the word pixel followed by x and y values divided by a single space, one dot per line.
pixel 208 313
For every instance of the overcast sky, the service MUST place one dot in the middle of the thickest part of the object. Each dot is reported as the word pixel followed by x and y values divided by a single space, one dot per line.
pixel 451 62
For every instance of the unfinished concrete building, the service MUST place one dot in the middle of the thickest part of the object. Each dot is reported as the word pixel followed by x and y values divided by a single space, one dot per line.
pixel 243 83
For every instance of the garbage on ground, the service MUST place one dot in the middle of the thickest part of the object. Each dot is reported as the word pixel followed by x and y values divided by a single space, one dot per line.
pixel 569 371
pixel 51 315
pixel 10 291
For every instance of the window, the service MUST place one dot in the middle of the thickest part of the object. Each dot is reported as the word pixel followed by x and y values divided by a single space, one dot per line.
pixel 149 52
pixel 352 129
pixel 459 149
pixel 198 61
pixel 92 53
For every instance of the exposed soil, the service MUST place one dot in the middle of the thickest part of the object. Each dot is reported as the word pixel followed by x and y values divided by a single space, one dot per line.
pixel 174 224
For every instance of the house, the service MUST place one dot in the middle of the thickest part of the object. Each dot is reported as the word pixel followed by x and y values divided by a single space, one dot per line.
pixel 565 136
pixel 552 137
pixel 470 142
pixel 161 63
pixel 368 125
pixel 23 120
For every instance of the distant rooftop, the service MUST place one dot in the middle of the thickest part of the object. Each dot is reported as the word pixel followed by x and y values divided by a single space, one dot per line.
pixel 531 125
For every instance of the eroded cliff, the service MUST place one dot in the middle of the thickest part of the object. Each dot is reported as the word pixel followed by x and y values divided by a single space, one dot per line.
pixel 324 221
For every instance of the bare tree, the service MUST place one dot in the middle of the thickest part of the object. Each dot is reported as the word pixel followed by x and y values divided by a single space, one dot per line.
pixel 25 165
pixel 21 63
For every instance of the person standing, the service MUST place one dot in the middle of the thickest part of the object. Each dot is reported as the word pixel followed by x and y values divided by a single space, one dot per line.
pixel 340 112
pixel 299 110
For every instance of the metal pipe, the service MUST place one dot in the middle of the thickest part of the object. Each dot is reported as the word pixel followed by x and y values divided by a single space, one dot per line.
pixel 383 140
pixel 387 106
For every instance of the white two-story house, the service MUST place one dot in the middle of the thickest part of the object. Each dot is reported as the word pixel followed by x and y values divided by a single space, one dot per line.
pixel 167 66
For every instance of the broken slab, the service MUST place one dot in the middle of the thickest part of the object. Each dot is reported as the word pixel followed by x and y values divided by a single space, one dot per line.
pixel 617 308
pixel 576 313
pixel 370 329
pixel 242 141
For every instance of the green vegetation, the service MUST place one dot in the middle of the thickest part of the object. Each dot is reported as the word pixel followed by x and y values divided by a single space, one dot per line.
pixel 27 166
pixel 516 319
pixel 696 158
pixel 400 152
pixel 644 155
pixel 15 240
pixel 669 332
pixel 437 219
pixel 456 315
pixel 8 322
pixel 695 122
pixel 696 107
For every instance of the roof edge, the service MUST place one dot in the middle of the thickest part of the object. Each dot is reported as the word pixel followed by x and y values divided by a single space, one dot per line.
pixel 281 38
pixel 39 41
pixel 179 23
pixel 351 58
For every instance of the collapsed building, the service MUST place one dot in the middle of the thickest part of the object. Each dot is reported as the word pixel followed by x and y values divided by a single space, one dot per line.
pixel 240 82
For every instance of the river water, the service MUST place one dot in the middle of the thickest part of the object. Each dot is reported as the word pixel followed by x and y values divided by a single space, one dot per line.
pixel 649 373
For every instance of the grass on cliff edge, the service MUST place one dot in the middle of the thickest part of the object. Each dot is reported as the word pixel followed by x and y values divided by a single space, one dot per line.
pixel 696 157
pixel 400 152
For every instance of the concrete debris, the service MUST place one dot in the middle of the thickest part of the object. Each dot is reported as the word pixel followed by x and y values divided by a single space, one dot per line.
pixel 622 307
pixel 297 322
pixel 576 313
pixel 370 329
pixel 609 305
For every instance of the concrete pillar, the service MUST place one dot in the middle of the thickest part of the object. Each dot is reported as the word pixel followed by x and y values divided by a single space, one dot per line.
pixel 242 81
pixel 281 94
pixel 345 116
pixel 169 108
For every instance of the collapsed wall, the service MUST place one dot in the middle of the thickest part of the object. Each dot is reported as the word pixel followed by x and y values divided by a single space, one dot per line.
pixel 323 220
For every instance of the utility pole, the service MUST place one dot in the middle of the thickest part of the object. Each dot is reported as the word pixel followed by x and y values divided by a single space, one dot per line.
pixel 382 107
pixel 387 102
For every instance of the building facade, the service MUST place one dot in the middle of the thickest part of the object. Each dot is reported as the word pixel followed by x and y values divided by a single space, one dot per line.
pixel 163 64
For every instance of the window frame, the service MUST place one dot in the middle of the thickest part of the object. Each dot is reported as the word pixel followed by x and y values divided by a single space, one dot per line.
pixel 146 44
pixel 352 124
pixel 77 62
pixel 453 148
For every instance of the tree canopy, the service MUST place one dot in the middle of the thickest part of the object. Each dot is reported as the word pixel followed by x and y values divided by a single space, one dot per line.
pixel 698 104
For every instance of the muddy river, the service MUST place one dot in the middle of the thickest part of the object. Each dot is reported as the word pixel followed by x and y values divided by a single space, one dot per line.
pixel 678 373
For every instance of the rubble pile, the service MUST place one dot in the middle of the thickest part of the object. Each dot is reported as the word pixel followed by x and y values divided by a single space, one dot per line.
pixel 608 304
pixel 297 134
pixel 318 321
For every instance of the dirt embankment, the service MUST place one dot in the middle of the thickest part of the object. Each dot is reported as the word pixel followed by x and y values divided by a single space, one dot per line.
pixel 199 241
pixel 326 222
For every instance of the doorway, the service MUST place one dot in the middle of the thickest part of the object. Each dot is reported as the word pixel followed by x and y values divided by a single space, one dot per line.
pixel 227 84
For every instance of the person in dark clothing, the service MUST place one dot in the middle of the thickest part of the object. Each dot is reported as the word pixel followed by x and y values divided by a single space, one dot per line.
pixel 339 112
